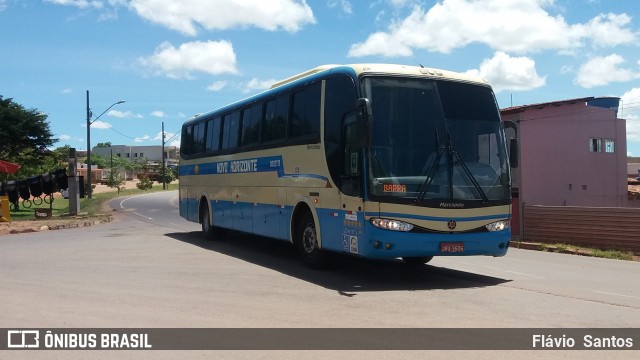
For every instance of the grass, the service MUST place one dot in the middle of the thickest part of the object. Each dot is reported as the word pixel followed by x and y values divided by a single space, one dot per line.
pixel 93 206
pixel 579 250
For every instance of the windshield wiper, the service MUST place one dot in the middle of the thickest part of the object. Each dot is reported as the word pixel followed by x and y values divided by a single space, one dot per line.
pixel 467 172
pixel 452 154
pixel 424 187
pixel 465 168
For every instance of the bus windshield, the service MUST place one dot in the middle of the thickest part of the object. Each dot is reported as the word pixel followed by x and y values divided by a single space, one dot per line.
pixel 435 142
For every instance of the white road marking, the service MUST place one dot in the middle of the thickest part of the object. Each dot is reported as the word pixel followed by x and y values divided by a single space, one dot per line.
pixel 524 274
pixel 614 294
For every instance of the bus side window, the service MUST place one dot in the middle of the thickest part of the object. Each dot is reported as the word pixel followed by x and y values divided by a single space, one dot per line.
pixel 276 117
pixel 213 134
pixel 305 113
pixel 187 140
pixel 230 130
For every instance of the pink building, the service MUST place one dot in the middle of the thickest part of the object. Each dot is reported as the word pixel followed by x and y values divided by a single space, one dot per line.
pixel 572 153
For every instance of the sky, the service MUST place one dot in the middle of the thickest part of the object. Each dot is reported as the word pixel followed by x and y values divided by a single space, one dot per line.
pixel 170 60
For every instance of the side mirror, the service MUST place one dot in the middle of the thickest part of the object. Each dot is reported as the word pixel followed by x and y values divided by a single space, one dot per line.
pixel 364 122
pixel 513 153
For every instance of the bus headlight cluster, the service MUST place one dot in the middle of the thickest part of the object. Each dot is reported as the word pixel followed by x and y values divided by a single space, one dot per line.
pixel 499 225
pixel 389 224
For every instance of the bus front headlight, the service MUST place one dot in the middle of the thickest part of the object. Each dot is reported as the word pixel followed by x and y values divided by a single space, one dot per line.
pixel 394 225
pixel 499 225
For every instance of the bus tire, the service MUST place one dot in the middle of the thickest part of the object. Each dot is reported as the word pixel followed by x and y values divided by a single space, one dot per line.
pixel 307 243
pixel 207 228
pixel 417 260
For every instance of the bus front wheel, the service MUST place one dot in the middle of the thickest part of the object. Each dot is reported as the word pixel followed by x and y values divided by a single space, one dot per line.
pixel 307 243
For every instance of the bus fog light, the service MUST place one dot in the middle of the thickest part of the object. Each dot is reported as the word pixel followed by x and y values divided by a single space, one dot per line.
pixel 499 225
pixel 376 245
pixel 389 224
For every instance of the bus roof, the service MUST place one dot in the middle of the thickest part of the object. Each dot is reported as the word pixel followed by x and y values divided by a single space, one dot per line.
pixel 388 69
pixel 358 70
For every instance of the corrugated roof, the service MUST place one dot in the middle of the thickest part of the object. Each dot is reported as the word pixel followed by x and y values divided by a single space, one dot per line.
pixel 522 108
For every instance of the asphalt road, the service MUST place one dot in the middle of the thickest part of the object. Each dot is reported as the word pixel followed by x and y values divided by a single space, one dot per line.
pixel 151 269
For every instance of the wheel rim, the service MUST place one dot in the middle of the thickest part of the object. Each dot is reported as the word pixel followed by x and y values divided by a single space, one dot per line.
pixel 309 242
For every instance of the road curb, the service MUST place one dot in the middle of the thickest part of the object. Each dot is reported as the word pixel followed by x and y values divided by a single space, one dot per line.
pixel 62 224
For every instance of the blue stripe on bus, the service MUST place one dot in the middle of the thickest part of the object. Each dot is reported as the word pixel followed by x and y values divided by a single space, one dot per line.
pixel 243 166
pixel 435 218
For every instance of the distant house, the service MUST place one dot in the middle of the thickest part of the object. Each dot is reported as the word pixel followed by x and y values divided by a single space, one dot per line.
pixel 571 153
pixel 152 155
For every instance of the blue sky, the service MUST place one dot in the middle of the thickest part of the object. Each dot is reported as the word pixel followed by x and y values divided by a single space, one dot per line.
pixel 173 59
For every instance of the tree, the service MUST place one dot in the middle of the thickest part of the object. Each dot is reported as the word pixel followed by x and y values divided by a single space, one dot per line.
pixel 24 137
pixel 115 180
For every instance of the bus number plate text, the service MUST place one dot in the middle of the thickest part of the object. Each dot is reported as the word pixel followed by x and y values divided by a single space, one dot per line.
pixel 452 247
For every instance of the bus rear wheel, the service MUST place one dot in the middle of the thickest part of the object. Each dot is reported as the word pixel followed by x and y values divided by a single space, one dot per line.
pixel 207 228
pixel 417 260
pixel 307 243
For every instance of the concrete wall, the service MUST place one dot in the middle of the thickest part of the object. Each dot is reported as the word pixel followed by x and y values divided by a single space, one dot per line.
pixel 558 169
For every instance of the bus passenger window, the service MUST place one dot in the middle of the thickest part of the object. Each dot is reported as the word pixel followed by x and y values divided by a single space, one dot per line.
pixel 275 120
pixel 305 114
pixel 230 127
pixel 250 132
pixel 213 134
pixel 198 138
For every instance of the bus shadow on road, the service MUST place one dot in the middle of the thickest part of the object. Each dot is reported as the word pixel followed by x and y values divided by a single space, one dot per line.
pixel 348 275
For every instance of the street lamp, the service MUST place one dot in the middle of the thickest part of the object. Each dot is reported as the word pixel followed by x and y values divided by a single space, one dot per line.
pixel 89 122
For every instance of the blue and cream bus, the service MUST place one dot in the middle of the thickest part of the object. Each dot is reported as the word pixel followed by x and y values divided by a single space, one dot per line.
pixel 375 160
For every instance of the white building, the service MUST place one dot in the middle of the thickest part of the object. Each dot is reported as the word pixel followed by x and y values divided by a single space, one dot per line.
pixel 152 155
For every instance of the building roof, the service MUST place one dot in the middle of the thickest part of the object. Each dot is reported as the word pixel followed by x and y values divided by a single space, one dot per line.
pixel 523 108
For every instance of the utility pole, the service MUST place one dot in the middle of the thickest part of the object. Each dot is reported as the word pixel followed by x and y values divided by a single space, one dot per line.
pixel 164 174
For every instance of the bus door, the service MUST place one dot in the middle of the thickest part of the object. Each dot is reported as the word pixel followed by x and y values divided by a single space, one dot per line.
pixel 351 202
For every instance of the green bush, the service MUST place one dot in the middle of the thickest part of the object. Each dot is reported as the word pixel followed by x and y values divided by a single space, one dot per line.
pixel 145 184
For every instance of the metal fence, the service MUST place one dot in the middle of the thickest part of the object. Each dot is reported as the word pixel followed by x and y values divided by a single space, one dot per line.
pixel 597 227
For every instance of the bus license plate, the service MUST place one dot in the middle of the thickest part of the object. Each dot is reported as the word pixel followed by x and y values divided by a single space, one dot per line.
pixel 452 247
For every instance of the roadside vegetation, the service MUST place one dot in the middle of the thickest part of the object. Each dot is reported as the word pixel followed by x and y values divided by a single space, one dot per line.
pixel 88 207
pixel 579 250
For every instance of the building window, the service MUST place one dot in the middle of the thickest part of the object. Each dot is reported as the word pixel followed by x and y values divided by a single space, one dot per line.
pixel 602 145
pixel 609 146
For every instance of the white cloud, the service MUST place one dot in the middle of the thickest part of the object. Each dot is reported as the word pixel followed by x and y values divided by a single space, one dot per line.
pixel 608 30
pixel 64 137
pixel 142 139
pixel 258 85
pixel 82 4
pixel 167 136
pixel 504 72
pixel 601 71
pixel 631 112
pixel 212 57
pixel 100 125
pixel 517 26
pixel 123 115
pixel 158 114
pixel 186 16
pixel 344 5
pixel 217 86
